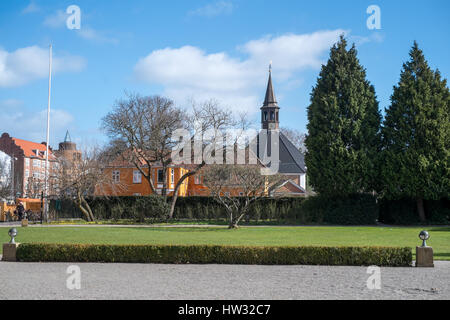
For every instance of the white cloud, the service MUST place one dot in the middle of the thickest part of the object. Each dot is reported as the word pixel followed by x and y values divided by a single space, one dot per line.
pixel 292 52
pixel 31 8
pixel 30 63
pixel 213 9
pixel 59 18
pixel 32 125
pixel 56 20
pixel 360 40
pixel 189 72
pixel 10 104
pixel 94 35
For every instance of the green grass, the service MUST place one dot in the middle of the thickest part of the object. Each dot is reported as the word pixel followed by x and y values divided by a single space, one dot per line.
pixel 263 236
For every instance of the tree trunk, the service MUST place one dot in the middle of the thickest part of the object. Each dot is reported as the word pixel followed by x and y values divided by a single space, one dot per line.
pixel 421 209
pixel 178 185
pixel 174 201
pixel 164 188
pixel 83 210
pixel 88 209
pixel 233 224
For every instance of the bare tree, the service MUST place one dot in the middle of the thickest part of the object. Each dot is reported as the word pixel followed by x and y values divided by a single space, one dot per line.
pixel 141 132
pixel 208 115
pixel 296 137
pixel 5 178
pixel 80 178
pixel 237 186
pixel 34 187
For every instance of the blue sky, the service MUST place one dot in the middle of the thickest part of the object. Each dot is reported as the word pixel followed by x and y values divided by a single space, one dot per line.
pixel 195 50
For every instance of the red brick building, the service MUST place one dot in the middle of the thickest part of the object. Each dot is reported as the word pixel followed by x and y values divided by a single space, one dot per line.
pixel 29 163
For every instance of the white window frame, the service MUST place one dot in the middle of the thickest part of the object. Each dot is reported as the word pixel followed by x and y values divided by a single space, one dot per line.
pixel 116 176
pixel 137 177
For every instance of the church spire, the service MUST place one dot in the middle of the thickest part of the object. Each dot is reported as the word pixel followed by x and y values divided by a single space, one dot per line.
pixel 270 109
pixel 270 96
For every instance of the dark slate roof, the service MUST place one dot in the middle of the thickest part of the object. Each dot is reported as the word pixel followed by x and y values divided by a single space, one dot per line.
pixel 291 159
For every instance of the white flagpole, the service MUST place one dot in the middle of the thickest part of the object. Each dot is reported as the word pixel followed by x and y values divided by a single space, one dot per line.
pixel 48 135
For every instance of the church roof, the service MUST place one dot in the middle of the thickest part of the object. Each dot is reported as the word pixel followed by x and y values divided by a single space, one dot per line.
pixel 291 160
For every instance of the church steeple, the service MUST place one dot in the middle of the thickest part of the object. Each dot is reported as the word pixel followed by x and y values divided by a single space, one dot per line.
pixel 270 109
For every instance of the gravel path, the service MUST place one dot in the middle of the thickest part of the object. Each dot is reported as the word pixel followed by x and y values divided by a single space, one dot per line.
pixel 156 281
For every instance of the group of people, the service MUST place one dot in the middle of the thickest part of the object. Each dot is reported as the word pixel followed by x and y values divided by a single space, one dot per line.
pixel 20 213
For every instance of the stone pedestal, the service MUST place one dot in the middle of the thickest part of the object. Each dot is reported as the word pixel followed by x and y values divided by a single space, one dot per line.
pixel 24 222
pixel 9 251
pixel 424 257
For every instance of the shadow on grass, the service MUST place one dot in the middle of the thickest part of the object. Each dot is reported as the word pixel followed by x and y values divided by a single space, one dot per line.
pixel 180 229
pixel 442 254
pixel 440 229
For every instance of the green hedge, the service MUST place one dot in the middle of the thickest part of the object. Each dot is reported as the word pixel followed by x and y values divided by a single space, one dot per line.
pixel 354 209
pixel 214 254
pixel 404 211
pixel 357 209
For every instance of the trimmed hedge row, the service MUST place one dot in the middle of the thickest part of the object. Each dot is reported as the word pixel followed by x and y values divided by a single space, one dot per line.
pixel 215 254
pixel 355 209
pixel 358 209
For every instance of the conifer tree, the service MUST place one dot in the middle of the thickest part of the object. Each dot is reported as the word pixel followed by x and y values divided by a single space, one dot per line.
pixel 343 127
pixel 416 135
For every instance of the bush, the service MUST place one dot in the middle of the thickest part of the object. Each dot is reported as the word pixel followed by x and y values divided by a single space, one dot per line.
pixel 356 209
pixel 153 207
pixel 214 254
pixel 116 211
pixel 404 211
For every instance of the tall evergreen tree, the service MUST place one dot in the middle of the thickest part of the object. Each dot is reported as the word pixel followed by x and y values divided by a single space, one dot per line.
pixel 343 126
pixel 416 135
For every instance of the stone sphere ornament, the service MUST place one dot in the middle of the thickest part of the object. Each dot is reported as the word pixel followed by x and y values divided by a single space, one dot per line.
pixel 12 233
pixel 423 235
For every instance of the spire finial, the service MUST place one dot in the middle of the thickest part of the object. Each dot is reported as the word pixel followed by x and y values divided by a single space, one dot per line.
pixel 270 66
pixel 67 138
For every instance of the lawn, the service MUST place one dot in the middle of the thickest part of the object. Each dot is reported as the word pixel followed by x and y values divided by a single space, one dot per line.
pixel 262 236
